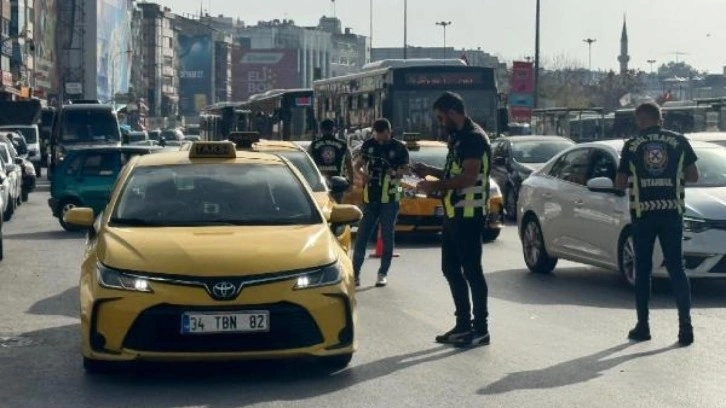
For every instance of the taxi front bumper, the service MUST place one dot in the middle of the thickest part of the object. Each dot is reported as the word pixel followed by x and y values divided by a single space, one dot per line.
pixel 129 326
pixel 426 215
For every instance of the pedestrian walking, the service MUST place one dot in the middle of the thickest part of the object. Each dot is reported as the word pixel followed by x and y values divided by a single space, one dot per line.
pixel 464 185
pixel 382 163
pixel 655 165
pixel 330 154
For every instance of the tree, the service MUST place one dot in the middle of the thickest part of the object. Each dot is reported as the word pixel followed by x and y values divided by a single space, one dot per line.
pixel 677 69
pixel 608 92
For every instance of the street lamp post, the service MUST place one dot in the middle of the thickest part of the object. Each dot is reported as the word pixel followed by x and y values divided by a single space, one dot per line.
pixel 444 24
pixel 536 56
pixel 405 29
pixel 651 62
pixel 589 42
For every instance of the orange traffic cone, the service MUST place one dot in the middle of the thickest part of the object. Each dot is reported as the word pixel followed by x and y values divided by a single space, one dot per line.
pixel 379 247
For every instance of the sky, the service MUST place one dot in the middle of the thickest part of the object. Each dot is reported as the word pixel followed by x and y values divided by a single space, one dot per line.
pixel 657 28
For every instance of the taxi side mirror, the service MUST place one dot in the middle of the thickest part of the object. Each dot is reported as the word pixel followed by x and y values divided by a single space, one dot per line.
pixel 79 217
pixel 338 184
pixel 345 214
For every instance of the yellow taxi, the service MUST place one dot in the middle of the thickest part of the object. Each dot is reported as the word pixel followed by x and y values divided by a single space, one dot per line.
pixel 419 213
pixel 321 187
pixel 215 254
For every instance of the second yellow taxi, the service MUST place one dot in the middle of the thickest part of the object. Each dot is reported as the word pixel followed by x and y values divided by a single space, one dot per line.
pixel 215 254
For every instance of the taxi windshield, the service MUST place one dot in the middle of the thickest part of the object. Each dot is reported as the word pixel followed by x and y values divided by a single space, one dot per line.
pixel 307 167
pixel 214 194
pixel 433 156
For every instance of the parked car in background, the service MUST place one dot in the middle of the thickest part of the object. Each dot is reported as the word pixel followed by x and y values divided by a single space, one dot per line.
pixel 515 158
pixel 31 135
pixel 569 209
pixel 14 174
pixel 28 168
pixel 134 136
pixel 86 176
pixel 718 138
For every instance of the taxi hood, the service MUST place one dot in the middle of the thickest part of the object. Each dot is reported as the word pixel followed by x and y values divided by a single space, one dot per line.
pixel 217 251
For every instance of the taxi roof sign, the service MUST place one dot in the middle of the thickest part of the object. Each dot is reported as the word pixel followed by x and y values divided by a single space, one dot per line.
pixel 244 140
pixel 212 150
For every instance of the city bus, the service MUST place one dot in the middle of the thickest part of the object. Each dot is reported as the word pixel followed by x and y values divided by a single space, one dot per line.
pixel 403 91
pixel 282 114
pixel 217 121
pixel 580 125
pixel 700 115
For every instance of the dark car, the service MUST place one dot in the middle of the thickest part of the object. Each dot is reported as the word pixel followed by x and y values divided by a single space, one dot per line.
pixel 86 177
pixel 515 158
pixel 28 167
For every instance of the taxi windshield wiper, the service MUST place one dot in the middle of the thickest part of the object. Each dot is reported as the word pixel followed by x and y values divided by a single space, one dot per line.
pixel 135 222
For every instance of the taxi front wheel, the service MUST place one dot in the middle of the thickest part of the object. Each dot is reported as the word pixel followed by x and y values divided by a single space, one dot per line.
pixel 336 363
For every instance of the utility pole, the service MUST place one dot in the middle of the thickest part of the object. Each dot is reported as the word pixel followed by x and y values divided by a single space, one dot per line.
pixel 405 29
pixel 444 24
pixel 589 42
pixel 678 54
pixel 536 57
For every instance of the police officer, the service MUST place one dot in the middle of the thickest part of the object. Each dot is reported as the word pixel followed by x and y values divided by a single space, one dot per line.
pixel 655 166
pixel 330 153
pixel 382 163
pixel 464 182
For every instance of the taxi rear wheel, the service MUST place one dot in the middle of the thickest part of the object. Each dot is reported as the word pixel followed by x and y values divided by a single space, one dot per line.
pixel 336 363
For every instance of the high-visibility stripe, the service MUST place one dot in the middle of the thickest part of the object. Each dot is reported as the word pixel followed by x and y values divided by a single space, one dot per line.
pixel 635 192
pixel 385 197
pixel 470 203
pixel 680 188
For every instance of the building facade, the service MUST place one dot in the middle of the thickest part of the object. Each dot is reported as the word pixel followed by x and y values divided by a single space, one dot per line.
pixel 22 32
pixel 159 85
pixel 7 91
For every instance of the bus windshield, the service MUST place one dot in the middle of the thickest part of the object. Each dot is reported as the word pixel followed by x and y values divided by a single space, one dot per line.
pixel 89 126
pixel 412 110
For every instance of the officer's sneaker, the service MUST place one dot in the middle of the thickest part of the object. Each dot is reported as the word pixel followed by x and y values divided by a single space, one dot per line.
pixel 457 336
pixel 685 335
pixel 357 281
pixel 382 281
pixel 641 332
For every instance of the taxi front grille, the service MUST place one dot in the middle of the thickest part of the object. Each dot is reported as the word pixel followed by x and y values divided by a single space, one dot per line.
pixel 420 221
pixel 158 329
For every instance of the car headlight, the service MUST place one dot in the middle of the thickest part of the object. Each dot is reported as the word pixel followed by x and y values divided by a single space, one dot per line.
pixel 329 275
pixel 112 279
pixel 494 190
pixel 695 225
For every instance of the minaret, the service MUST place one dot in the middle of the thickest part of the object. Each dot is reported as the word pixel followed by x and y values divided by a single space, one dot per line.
pixel 624 58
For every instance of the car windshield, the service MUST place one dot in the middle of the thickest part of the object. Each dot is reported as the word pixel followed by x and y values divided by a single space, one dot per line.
pixel 711 167
pixel 540 151
pixel 29 134
pixel 89 126
pixel 307 167
pixel 20 145
pixel 214 194
pixel 433 156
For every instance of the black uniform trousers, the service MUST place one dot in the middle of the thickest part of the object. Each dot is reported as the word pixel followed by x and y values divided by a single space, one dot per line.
pixel 461 262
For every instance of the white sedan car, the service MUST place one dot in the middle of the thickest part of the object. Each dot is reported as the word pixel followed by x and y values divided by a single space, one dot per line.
pixel 569 209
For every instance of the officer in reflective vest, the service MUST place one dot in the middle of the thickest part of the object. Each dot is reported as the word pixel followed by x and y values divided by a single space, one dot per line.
pixel 382 162
pixel 464 184
pixel 655 165
pixel 330 153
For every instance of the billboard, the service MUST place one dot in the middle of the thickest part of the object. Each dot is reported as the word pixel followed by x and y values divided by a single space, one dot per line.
pixel 113 65
pixel 521 97
pixel 195 53
pixel 46 77
pixel 258 71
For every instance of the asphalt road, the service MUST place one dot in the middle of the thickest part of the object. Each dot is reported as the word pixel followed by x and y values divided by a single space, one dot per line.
pixel 557 341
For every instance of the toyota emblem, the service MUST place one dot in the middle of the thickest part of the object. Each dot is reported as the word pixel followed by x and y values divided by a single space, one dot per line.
pixel 224 290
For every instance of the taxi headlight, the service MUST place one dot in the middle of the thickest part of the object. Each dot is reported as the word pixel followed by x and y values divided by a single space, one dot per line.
pixel 694 225
pixel 329 275
pixel 112 279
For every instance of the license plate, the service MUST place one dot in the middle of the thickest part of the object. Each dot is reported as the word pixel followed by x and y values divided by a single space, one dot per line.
pixel 439 211
pixel 225 322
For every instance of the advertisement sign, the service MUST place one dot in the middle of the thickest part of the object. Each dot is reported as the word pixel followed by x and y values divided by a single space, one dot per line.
pixel 46 78
pixel 520 114
pixel 113 67
pixel 522 78
pixel 7 78
pixel 517 99
pixel 195 53
pixel 258 71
